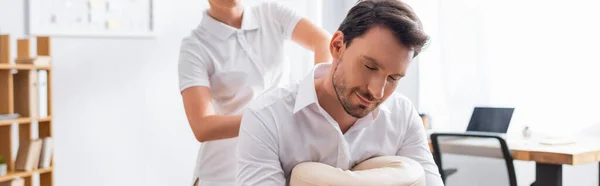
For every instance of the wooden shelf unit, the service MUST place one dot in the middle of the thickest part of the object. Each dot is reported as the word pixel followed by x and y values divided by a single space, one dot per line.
pixel 15 97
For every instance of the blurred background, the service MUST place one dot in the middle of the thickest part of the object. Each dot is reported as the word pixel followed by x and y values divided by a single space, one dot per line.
pixel 118 117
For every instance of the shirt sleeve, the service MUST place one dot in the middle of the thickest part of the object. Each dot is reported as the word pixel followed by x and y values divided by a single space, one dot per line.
pixel 193 66
pixel 416 147
pixel 257 153
pixel 285 18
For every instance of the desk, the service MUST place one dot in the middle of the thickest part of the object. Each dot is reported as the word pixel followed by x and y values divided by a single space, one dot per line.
pixel 549 158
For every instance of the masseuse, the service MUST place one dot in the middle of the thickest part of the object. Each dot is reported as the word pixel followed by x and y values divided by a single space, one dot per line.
pixel 234 55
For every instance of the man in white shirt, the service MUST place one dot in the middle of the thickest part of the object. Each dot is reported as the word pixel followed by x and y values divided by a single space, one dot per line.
pixel 343 112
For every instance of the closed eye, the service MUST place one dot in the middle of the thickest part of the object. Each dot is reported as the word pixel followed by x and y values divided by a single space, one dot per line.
pixel 370 68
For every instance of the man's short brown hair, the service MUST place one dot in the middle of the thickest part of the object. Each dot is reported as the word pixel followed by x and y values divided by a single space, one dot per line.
pixel 392 14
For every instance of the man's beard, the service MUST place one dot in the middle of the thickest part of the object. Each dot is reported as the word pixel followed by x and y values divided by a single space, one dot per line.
pixel 343 94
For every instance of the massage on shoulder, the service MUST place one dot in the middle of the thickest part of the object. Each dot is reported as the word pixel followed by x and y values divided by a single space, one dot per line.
pixel 342 124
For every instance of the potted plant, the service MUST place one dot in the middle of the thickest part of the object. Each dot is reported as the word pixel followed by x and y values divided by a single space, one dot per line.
pixel 2 166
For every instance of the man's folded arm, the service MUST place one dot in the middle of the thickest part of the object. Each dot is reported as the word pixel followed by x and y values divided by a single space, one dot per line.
pixel 257 153
pixel 416 147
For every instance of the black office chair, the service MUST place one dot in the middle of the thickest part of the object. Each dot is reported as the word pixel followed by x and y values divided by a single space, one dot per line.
pixel 505 153
pixel 487 119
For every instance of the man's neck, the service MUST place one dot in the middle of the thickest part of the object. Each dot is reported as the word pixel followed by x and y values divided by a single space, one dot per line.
pixel 228 16
pixel 329 101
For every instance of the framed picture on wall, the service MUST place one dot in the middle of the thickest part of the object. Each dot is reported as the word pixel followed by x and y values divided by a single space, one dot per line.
pixel 102 18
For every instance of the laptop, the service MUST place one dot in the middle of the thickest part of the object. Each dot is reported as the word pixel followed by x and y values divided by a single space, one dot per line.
pixel 490 119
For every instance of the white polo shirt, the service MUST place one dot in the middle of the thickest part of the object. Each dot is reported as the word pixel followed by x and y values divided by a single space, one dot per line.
pixel 237 65
pixel 287 126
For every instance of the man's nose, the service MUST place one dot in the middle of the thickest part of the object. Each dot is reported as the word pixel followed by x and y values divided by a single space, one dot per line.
pixel 377 87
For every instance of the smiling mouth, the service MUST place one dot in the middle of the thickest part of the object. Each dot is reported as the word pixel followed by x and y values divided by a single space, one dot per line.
pixel 363 100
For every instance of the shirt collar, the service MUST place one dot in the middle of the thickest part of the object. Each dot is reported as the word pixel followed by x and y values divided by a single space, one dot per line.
pixel 306 90
pixel 307 94
pixel 223 31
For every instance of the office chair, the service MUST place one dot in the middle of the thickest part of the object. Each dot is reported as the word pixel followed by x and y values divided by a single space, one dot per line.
pixel 507 155
pixel 487 119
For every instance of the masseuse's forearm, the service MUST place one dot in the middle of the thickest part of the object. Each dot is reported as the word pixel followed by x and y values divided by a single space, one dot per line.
pixel 321 48
pixel 216 127
pixel 313 38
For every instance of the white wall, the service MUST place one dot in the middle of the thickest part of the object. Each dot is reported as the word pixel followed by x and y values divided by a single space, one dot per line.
pixel 118 115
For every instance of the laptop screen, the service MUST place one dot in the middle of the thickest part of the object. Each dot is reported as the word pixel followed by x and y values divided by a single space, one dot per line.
pixel 490 119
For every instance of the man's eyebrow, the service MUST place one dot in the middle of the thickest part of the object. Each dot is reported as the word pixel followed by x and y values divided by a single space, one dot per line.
pixel 372 60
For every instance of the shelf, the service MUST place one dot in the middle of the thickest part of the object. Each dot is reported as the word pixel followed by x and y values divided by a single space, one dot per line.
pixel 46 170
pixel 49 118
pixel 23 67
pixel 18 120
pixel 23 120
pixel 13 175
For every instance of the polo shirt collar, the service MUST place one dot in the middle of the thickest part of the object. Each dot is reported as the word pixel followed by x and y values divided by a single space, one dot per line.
pixel 222 30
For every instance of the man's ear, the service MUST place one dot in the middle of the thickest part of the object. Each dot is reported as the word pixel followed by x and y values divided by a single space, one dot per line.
pixel 336 45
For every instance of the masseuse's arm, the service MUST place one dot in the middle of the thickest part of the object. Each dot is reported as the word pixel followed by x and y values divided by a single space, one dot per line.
pixel 204 123
pixel 257 152
pixel 313 38
pixel 415 146
pixel 300 30
pixel 194 74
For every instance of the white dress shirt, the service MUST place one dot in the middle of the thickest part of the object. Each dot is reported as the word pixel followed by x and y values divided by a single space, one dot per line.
pixel 237 65
pixel 286 126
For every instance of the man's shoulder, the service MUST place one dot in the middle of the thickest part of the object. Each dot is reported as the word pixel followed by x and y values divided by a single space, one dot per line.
pixel 398 112
pixel 397 102
pixel 280 99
